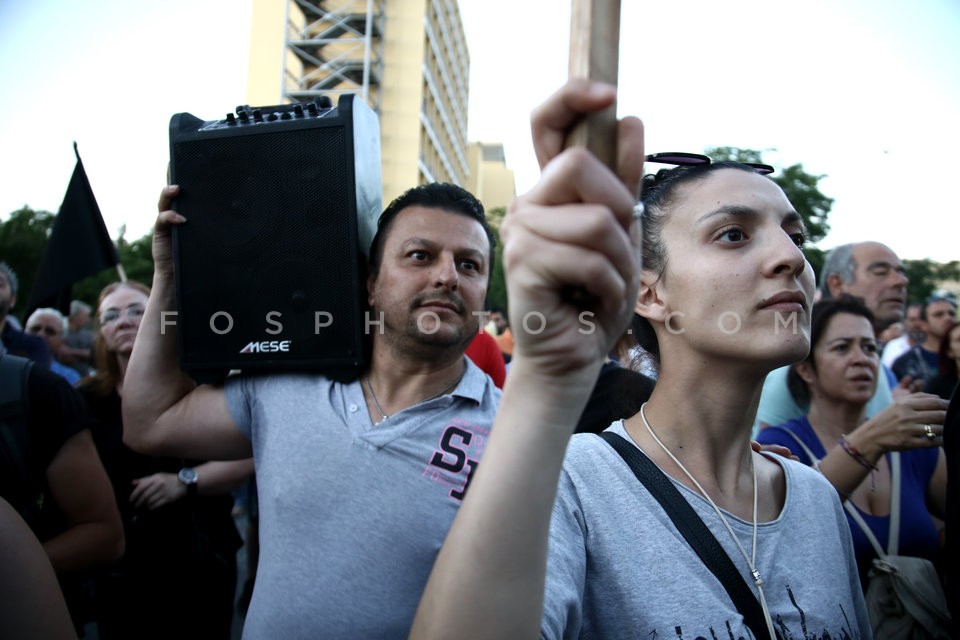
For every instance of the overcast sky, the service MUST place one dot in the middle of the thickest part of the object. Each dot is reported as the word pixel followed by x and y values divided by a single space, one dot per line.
pixel 864 92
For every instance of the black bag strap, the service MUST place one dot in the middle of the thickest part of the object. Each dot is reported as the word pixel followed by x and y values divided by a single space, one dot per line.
pixel 16 474
pixel 695 532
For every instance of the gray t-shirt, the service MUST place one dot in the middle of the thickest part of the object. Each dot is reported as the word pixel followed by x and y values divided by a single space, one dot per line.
pixel 352 515
pixel 618 568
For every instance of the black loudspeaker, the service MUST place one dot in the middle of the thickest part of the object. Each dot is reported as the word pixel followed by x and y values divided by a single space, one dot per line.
pixel 282 203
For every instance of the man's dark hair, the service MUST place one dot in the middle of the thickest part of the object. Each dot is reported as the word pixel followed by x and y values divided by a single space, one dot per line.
pixel 435 195
pixel 933 300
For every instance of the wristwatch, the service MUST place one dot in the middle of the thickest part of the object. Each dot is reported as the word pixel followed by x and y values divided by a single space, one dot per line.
pixel 188 476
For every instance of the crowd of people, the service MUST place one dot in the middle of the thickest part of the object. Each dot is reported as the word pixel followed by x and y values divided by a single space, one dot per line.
pixel 458 486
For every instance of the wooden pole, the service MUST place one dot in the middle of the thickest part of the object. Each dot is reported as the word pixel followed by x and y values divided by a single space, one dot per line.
pixel 595 54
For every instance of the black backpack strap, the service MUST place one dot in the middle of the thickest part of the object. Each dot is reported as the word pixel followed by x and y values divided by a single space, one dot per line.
pixel 14 436
pixel 694 531
pixel 13 377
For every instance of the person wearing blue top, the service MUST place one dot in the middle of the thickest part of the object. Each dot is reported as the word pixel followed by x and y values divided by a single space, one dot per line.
pixel 868 270
pixel 50 325
pixel 854 453
pixel 922 361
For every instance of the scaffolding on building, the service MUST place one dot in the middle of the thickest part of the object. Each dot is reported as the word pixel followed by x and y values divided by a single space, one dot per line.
pixel 334 47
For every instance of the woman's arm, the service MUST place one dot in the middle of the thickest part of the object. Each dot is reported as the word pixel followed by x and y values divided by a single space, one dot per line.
pixel 570 231
pixel 31 603
pixel 213 478
pixel 899 427
pixel 82 491
pixel 937 489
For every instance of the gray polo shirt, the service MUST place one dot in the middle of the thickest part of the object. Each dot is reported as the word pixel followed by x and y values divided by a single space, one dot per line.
pixel 352 515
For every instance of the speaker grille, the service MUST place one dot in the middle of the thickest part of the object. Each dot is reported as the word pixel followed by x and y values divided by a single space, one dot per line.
pixel 271 228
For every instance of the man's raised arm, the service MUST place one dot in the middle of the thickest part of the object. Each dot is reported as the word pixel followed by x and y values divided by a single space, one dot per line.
pixel 164 411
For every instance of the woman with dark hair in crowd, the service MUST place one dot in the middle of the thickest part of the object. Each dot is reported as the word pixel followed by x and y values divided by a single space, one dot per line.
pixel 178 576
pixel 948 364
pixel 556 537
pixel 836 380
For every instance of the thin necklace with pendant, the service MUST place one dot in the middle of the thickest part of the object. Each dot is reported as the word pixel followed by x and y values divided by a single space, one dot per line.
pixel 752 558
pixel 376 403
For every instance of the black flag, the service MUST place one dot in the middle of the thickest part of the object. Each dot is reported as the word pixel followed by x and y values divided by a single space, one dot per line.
pixel 79 246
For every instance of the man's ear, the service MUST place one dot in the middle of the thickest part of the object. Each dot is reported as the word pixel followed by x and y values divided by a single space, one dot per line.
pixel 805 371
pixel 649 303
pixel 835 285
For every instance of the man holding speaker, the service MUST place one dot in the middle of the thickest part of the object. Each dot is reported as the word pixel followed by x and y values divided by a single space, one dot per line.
pixel 358 481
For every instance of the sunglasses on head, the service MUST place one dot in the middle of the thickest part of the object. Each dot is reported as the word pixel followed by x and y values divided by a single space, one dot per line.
pixel 683 159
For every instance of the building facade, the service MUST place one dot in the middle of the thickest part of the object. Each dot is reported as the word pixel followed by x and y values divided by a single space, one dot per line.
pixel 408 59
pixel 489 177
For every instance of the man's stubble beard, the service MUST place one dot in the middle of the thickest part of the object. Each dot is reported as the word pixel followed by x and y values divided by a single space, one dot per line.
pixel 442 339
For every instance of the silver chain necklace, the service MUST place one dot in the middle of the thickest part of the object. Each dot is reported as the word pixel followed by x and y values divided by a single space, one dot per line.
pixel 752 558
pixel 376 403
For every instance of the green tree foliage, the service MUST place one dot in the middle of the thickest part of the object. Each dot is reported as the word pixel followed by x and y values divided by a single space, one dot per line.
pixel 801 188
pixel 815 257
pixel 23 237
pixel 137 260
pixel 927 276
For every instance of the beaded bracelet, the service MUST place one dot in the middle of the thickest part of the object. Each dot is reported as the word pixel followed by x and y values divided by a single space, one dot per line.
pixel 856 455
